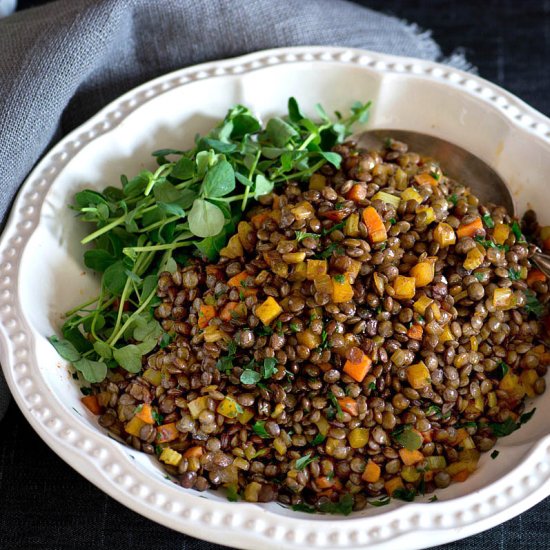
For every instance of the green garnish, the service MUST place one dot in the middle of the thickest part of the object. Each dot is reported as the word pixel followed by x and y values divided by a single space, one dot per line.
pixel 454 199
pixel 303 462
pixel 407 437
pixel 514 274
pixel 259 429
pixel 488 221
pixel 502 370
pixel 329 250
pixel 516 230
pixel 294 327
pixel 302 507
pixel 479 276
pixel 190 204
pixel 384 501
pixel 494 454
pixel 232 493
pixel 301 235
pixel 318 439
pixel 157 417
pixel 344 506
pixel 335 404
pixel 435 175
pixel 269 367
pixel 433 499
pixel 532 304
pixel 372 386
pixel 340 278
pixel 404 494
pixel 507 427
pixel 249 376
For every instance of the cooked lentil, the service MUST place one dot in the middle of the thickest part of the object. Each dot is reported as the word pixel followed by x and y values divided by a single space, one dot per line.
pixel 344 363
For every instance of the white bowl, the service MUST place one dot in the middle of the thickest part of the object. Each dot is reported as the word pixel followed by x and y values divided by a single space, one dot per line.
pixel 42 274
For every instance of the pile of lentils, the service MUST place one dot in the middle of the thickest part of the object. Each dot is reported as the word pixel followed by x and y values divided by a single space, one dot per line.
pixel 252 393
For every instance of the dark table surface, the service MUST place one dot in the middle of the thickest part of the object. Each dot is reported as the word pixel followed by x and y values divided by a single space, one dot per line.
pixel 44 504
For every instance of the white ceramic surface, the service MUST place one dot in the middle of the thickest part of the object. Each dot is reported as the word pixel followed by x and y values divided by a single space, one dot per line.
pixel 41 275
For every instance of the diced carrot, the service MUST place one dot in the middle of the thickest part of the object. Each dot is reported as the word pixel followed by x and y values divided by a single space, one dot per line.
pixel 415 332
pixel 375 225
pixel 258 219
pixel 427 437
pixel 410 457
pixel 205 314
pixel 358 370
pixel 357 193
pixel 425 179
pixel 145 413
pixel 324 482
pixel 429 475
pixel 238 281
pixel 469 229
pixel 167 433
pixel 546 244
pixel 193 452
pixel 334 215
pixel 535 275
pixel 349 405
pixel 461 476
pixel 342 291
pixel 372 472
pixel 92 404
pixel 393 484
pixel 232 310
pixel 461 435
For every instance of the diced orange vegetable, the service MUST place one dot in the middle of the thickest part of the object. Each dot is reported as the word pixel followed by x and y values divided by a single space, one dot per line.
pixel 354 270
pixel 238 281
pixel 92 404
pixel 323 284
pixel 418 375
pixel 372 472
pixel 405 287
pixel 427 437
pixel 205 314
pixel 393 484
pixel 423 273
pixel 375 225
pixel 535 275
pixel 410 457
pixel 268 311
pixel 357 193
pixel 461 476
pixel 213 270
pixel 461 435
pixel 324 482
pixel 234 248
pixel 501 232
pixel 258 219
pixel 146 414
pixel 315 268
pixel 334 215
pixel 349 405
pixel 133 427
pixel 276 202
pixel 194 452
pixel 415 332
pixel 474 259
pixel 342 291
pixel 358 370
pixel 429 475
pixel 422 304
pixel 167 433
pixel 233 310
pixel 444 235
pixel 308 338
pixel 425 179
pixel 470 229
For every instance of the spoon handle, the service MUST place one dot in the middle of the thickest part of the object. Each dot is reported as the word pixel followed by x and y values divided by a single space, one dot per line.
pixel 542 261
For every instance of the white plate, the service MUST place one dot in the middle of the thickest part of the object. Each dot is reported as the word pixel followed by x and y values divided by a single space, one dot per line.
pixel 41 275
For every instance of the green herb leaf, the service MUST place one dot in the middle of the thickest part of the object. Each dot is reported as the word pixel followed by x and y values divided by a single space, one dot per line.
pixel 340 278
pixel 65 348
pixel 232 493
pixel 344 506
pixel 303 462
pixel 128 357
pixel 453 199
pixel 259 429
pixel 93 371
pixel 205 219
pixel 269 367
pixel 384 501
pixel 503 429
pixel 404 494
pixel 219 181
pixel 249 376
pixel 488 221
pixel 433 499
pixel 301 235
pixel 516 230
pixel 318 439
pixel 514 274
pixel 502 370
pixel 532 304
pixel 303 507
pixel 407 437
pixel 525 417
pixel 262 186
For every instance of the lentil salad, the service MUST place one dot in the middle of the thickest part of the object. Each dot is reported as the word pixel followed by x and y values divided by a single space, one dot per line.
pixel 365 334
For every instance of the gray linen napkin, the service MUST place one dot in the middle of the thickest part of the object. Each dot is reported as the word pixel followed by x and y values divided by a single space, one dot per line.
pixel 60 63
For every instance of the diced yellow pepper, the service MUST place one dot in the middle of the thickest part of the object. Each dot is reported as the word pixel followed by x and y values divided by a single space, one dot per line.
pixel 244 229
pixel 279 445
pixel 405 287
pixel 317 181
pixel 351 226
pixel 342 291
pixel 234 248
pixel 169 456
pixel 294 257
pixel 430 214
pixel 354 270
pixel 474 259
pixel 528 378
pixel 411 194
pixel 308 338
pixel 436 462
pixel 198 405
pixel 245 416
pixel 322 425
pixel 153 376
pixel 422 304
pixel 492 399
pixel 471 454
pixel 446 335
pixel 511 384
pixel 268 311
pixel 316 268
pixel 228 408
pixel 410 473
pixel 444 235
pixel 436 310
pixel 501 233
pixel 134 426
pixel 299 272
pixel 387 198
pixel 473 343
pixel 423 273
pixel 358 438
pixel 478 403
pixel 503 298
pixel 303 210
pixel 418 375
pixel 457 467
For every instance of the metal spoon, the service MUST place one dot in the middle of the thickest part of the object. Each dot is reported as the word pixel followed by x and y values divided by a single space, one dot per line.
pixel 458 164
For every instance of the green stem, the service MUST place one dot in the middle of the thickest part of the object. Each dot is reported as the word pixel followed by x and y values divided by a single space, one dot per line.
pixel 82 306
pixel 96 314
pixel 305 172
pixel 123 296
pixel 230 199
pixel 250 176
pixel 156 247
pixel 159 223
pixel 156 175
pixel 114 339
pixel 103 229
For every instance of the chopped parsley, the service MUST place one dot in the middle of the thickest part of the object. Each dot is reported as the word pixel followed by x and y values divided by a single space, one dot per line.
pixel 384 501
pixel 404 494
pixel 158 418
pixel 329 250
pixel 340 278
pixel 301 235
pixel 303 507
pixel 502 370
pixel 269 367
pixel 507 427
pixel 259 429
pixel 532 304
pixel 433 499
pixel 494 454
pixel 514 274
pixel 516 230
pixel 488 221
pixel 294 327
pixel 435 175
pixel 305 461
pixel 318 439
pixel 232 493
pixel 344 506
pixel 453 199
